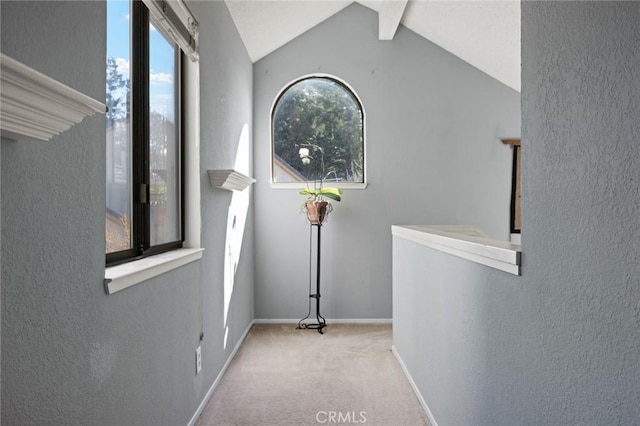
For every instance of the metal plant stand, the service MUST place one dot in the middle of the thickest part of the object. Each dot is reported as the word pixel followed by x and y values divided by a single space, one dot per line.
pixel 320 321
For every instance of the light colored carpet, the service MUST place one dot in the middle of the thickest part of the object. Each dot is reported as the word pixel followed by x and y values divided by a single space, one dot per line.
pixel 284 376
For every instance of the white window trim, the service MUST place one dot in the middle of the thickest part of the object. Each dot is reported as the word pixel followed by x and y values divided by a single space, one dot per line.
pixel 301 185
pixel 122 276
pixel 175 19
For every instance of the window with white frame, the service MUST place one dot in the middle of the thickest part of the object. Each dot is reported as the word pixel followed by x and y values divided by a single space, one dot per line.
pixel 318 113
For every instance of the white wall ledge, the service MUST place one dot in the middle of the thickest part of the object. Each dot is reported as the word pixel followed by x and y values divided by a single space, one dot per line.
pixel 229 179
pixel 467 242
pixel 128 274
pixel 35 106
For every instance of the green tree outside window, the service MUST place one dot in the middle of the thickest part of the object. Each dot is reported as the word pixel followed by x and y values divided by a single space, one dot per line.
pixel 323 112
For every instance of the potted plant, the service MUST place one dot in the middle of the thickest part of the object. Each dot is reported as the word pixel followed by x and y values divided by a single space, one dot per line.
pixel 315 205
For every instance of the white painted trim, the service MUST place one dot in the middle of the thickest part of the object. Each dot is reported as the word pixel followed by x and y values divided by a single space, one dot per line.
pixel 389 17
pixel 229 179
pixel 128 274
pixel 328 320
pixel 216 382
pixel 359 321
pixel 302 185
pixel 415 388
pixel 171 23
pixel 456 241
pixel 193 220
pixel 35 106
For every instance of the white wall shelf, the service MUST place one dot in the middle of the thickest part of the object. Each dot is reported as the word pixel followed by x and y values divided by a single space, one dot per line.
pixel 229 179
pixel 35 106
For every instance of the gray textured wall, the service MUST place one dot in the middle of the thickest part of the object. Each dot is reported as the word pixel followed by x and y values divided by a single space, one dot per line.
pixel 226 88
pixel 71 354
pixel 559 345
pixel 433 157
pixel 0 277
pixel 458 328
pixel 581 202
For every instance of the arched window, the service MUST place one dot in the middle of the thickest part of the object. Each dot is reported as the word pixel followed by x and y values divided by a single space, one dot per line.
pixel 322 115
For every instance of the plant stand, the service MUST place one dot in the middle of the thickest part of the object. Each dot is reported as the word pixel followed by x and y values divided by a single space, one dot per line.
pixel 321 322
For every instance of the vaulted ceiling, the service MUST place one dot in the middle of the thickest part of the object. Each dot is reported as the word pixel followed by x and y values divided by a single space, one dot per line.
pixel 484 33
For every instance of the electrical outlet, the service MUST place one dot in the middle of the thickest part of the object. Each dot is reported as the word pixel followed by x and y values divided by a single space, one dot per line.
pixel 198 359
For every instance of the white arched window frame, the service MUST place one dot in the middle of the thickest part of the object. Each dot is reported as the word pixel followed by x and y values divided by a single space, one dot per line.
pixel 276 161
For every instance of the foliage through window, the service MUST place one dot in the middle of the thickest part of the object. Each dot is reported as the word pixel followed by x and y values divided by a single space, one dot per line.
pixel 144 173
pixel 318 111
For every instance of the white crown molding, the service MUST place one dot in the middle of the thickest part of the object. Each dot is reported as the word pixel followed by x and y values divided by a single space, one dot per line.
pixel 229 179
pixel 35 106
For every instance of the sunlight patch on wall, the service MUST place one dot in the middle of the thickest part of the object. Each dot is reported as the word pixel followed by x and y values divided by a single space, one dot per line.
pixel 236 222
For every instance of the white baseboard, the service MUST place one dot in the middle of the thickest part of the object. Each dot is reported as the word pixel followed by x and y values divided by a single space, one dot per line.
pixel 329 321
pixel 206 398
pixel 432 420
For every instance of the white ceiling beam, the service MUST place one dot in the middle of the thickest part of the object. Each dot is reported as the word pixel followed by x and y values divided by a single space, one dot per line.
pixel 389 17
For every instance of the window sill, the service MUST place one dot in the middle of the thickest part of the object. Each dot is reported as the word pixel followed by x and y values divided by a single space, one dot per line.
pixel 128 274
pixel 301 185
pixel 465 242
